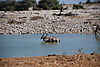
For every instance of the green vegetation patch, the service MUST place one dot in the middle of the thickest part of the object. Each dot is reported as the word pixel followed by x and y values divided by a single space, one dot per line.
pixel 76 6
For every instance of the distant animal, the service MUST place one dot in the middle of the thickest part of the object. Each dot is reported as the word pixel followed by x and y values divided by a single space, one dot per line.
pixel 52 55
pixel 49 38
pixel 80 51
pixel 96 29
pixel 92 53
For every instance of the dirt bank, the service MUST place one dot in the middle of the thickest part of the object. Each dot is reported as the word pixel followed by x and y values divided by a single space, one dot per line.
pixel 82 60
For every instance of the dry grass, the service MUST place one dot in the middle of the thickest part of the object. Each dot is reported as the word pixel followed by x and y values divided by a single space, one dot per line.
pixel 82 60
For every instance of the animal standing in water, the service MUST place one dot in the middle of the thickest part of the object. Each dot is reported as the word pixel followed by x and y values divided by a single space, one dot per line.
pixel 96 29
pixel 50 38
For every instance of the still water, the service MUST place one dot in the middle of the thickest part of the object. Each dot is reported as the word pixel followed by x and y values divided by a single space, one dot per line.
pixel 32 45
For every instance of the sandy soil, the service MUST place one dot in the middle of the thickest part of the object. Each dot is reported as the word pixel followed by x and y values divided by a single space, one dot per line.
pixel 82 60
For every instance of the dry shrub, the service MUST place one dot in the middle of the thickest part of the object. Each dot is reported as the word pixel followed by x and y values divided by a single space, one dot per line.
pixel 36 18
pixel 15 22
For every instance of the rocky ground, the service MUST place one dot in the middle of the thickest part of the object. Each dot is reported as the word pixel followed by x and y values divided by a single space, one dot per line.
pixel 81 60
pixel 43 21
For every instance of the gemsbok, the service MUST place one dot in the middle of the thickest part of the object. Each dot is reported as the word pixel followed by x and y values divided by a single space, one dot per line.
pixel 49 38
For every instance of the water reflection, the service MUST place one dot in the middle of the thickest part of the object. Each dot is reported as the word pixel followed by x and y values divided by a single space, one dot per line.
pixel 97 36
pixel 50 43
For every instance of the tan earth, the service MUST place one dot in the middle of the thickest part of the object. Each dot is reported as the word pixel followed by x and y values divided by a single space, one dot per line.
pixel 81 60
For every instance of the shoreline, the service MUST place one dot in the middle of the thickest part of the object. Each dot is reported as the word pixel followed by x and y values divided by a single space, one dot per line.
pixel 50 33
pixel 81 60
